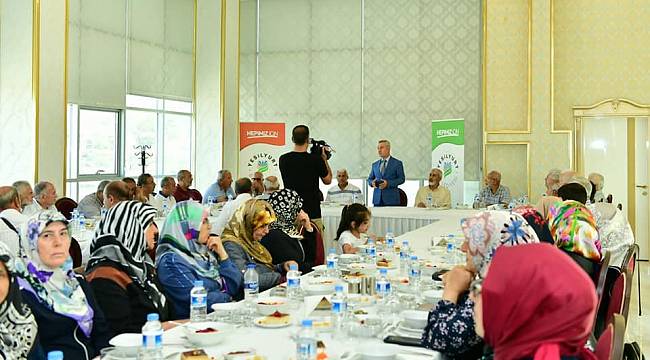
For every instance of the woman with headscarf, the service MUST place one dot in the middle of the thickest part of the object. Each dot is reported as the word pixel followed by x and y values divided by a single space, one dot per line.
pixel 450 328
pixel 536 221
pixel 188 252
pixel 614 231
pixel 241 239
pixel 574 230
pixel 68 317
pixel 18 329
pixel 535 303
pixel 120 271
pixel 284 241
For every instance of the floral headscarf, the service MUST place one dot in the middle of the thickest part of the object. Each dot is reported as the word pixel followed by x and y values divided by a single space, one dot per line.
pixel 180 235
pixel 536 221
pixel 251 215
pixel 18 327
pixel 57 288
pixel 286 205
pixel 488 230
pixel 574 229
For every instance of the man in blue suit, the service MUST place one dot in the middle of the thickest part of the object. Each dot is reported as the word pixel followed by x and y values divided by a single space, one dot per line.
pixel 385 175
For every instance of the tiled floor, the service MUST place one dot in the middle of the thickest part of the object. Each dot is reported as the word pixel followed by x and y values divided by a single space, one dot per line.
pixel 638 328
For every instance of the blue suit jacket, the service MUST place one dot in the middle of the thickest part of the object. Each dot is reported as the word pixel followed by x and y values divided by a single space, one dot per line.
pixel 394 175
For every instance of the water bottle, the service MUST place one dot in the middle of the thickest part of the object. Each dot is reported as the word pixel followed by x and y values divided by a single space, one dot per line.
pixel 82 222
pixel 293 282
pixel 75 220
pixel 404 257
pixel 477 202
pixel 165 207
pixel 339 309
pixel 229 197
pixel 451 259
pixel 103 212
pixel 429 201
pixel 390 241
pixel 198 302
pixel 306 342
pixel 372 251
pixel 251 283
pixel 524 200
pixel 414 271
pixel 382 285
pixel 55 355
pixel 152 338
pixel 332 263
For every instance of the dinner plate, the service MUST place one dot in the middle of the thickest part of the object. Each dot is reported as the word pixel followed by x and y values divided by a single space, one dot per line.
pixel 402 326
pixel 320 268
pixel 260 322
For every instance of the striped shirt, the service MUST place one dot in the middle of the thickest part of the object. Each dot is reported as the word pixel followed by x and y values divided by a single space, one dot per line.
pixel 348 195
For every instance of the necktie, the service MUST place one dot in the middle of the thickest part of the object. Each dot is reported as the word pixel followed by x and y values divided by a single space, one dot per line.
pixel 382 167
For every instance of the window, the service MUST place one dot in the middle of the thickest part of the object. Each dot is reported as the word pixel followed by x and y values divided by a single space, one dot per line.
pixel 105 144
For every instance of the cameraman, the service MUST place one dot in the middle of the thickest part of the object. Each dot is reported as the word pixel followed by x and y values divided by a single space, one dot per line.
pixel 301 170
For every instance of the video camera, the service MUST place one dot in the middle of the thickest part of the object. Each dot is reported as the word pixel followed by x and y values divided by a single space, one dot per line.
pixel 318 145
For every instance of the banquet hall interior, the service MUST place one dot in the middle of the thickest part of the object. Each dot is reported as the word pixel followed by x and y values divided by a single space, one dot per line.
pixel 428 115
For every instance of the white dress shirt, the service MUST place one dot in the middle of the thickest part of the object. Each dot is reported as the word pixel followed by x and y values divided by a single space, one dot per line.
pixel 35 207
pixel 8 236
pixel 158 201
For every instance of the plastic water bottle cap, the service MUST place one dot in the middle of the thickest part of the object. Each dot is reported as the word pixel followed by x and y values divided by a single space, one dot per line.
pixel 198 283
pixel 55 355
pixel 338 288
pixel 293 267
pixel 306 323
pixel 250 266
pixel 414 257
pixel 383 271
pixel 152 317
pixel 405 242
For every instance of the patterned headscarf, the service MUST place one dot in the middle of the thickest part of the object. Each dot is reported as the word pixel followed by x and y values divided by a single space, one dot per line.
pixel 57 288
pixel 488 230
pixel 18 327
pixel 286 204
pixel 574 229
pixel 536 221
pixel 120 240
pixel 251 215
pixel 180 235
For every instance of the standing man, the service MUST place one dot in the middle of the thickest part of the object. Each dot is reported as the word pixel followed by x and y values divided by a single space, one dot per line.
pixel 494 192
pixel 344 192
pixel 301 170
pixel 183 191
pixel 91 205
pixel 221 190
pixel 385 175
pixel 44 199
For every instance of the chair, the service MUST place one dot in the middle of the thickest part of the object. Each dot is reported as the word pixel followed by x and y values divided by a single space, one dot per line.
pixel 75 253
pixel 65 206
pixel 613 272
pixel 617 300
pixel 319 258
pixel 611 343
pixel 630 262
pixel 599 281
pixel 403 199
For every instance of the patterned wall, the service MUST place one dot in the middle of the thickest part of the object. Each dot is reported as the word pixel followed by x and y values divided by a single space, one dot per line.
pixel 356 71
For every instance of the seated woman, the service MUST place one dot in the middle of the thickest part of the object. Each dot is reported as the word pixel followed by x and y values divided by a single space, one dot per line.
pixel 614 231
pixel 241 239
pixel 535 303
pixel 18 329
pixel 536 221
pixel 355 221
pixel 450 328
pixel 188 252
pixel 68 317
pixel 574 229
pixel 284 241
pixel 120 271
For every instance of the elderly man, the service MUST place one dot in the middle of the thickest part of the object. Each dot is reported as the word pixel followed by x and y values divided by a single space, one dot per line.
pixel 552 182
pixel 258 183
pixel 220 191
pixel 44 199
pixel 344 192
pixel 183 192
pixel 598 182
pixel 165 196
pixel 433 195
pixel 271 184
pixel 566 176
pixel 494 192
pixel 146 186
pixel 10 218
pixel 25 192
pixel 115 192
pixel 91 205
pixel 385 175
pixel 243 188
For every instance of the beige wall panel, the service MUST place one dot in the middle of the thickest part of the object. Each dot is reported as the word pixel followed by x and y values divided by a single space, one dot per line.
pixel 601 52
pixel 511 160
pixel 507 65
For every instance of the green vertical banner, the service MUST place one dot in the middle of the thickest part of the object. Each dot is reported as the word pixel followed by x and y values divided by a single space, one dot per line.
pixel 448 154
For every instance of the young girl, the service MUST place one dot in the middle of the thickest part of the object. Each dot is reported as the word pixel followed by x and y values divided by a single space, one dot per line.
pixel 355 220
